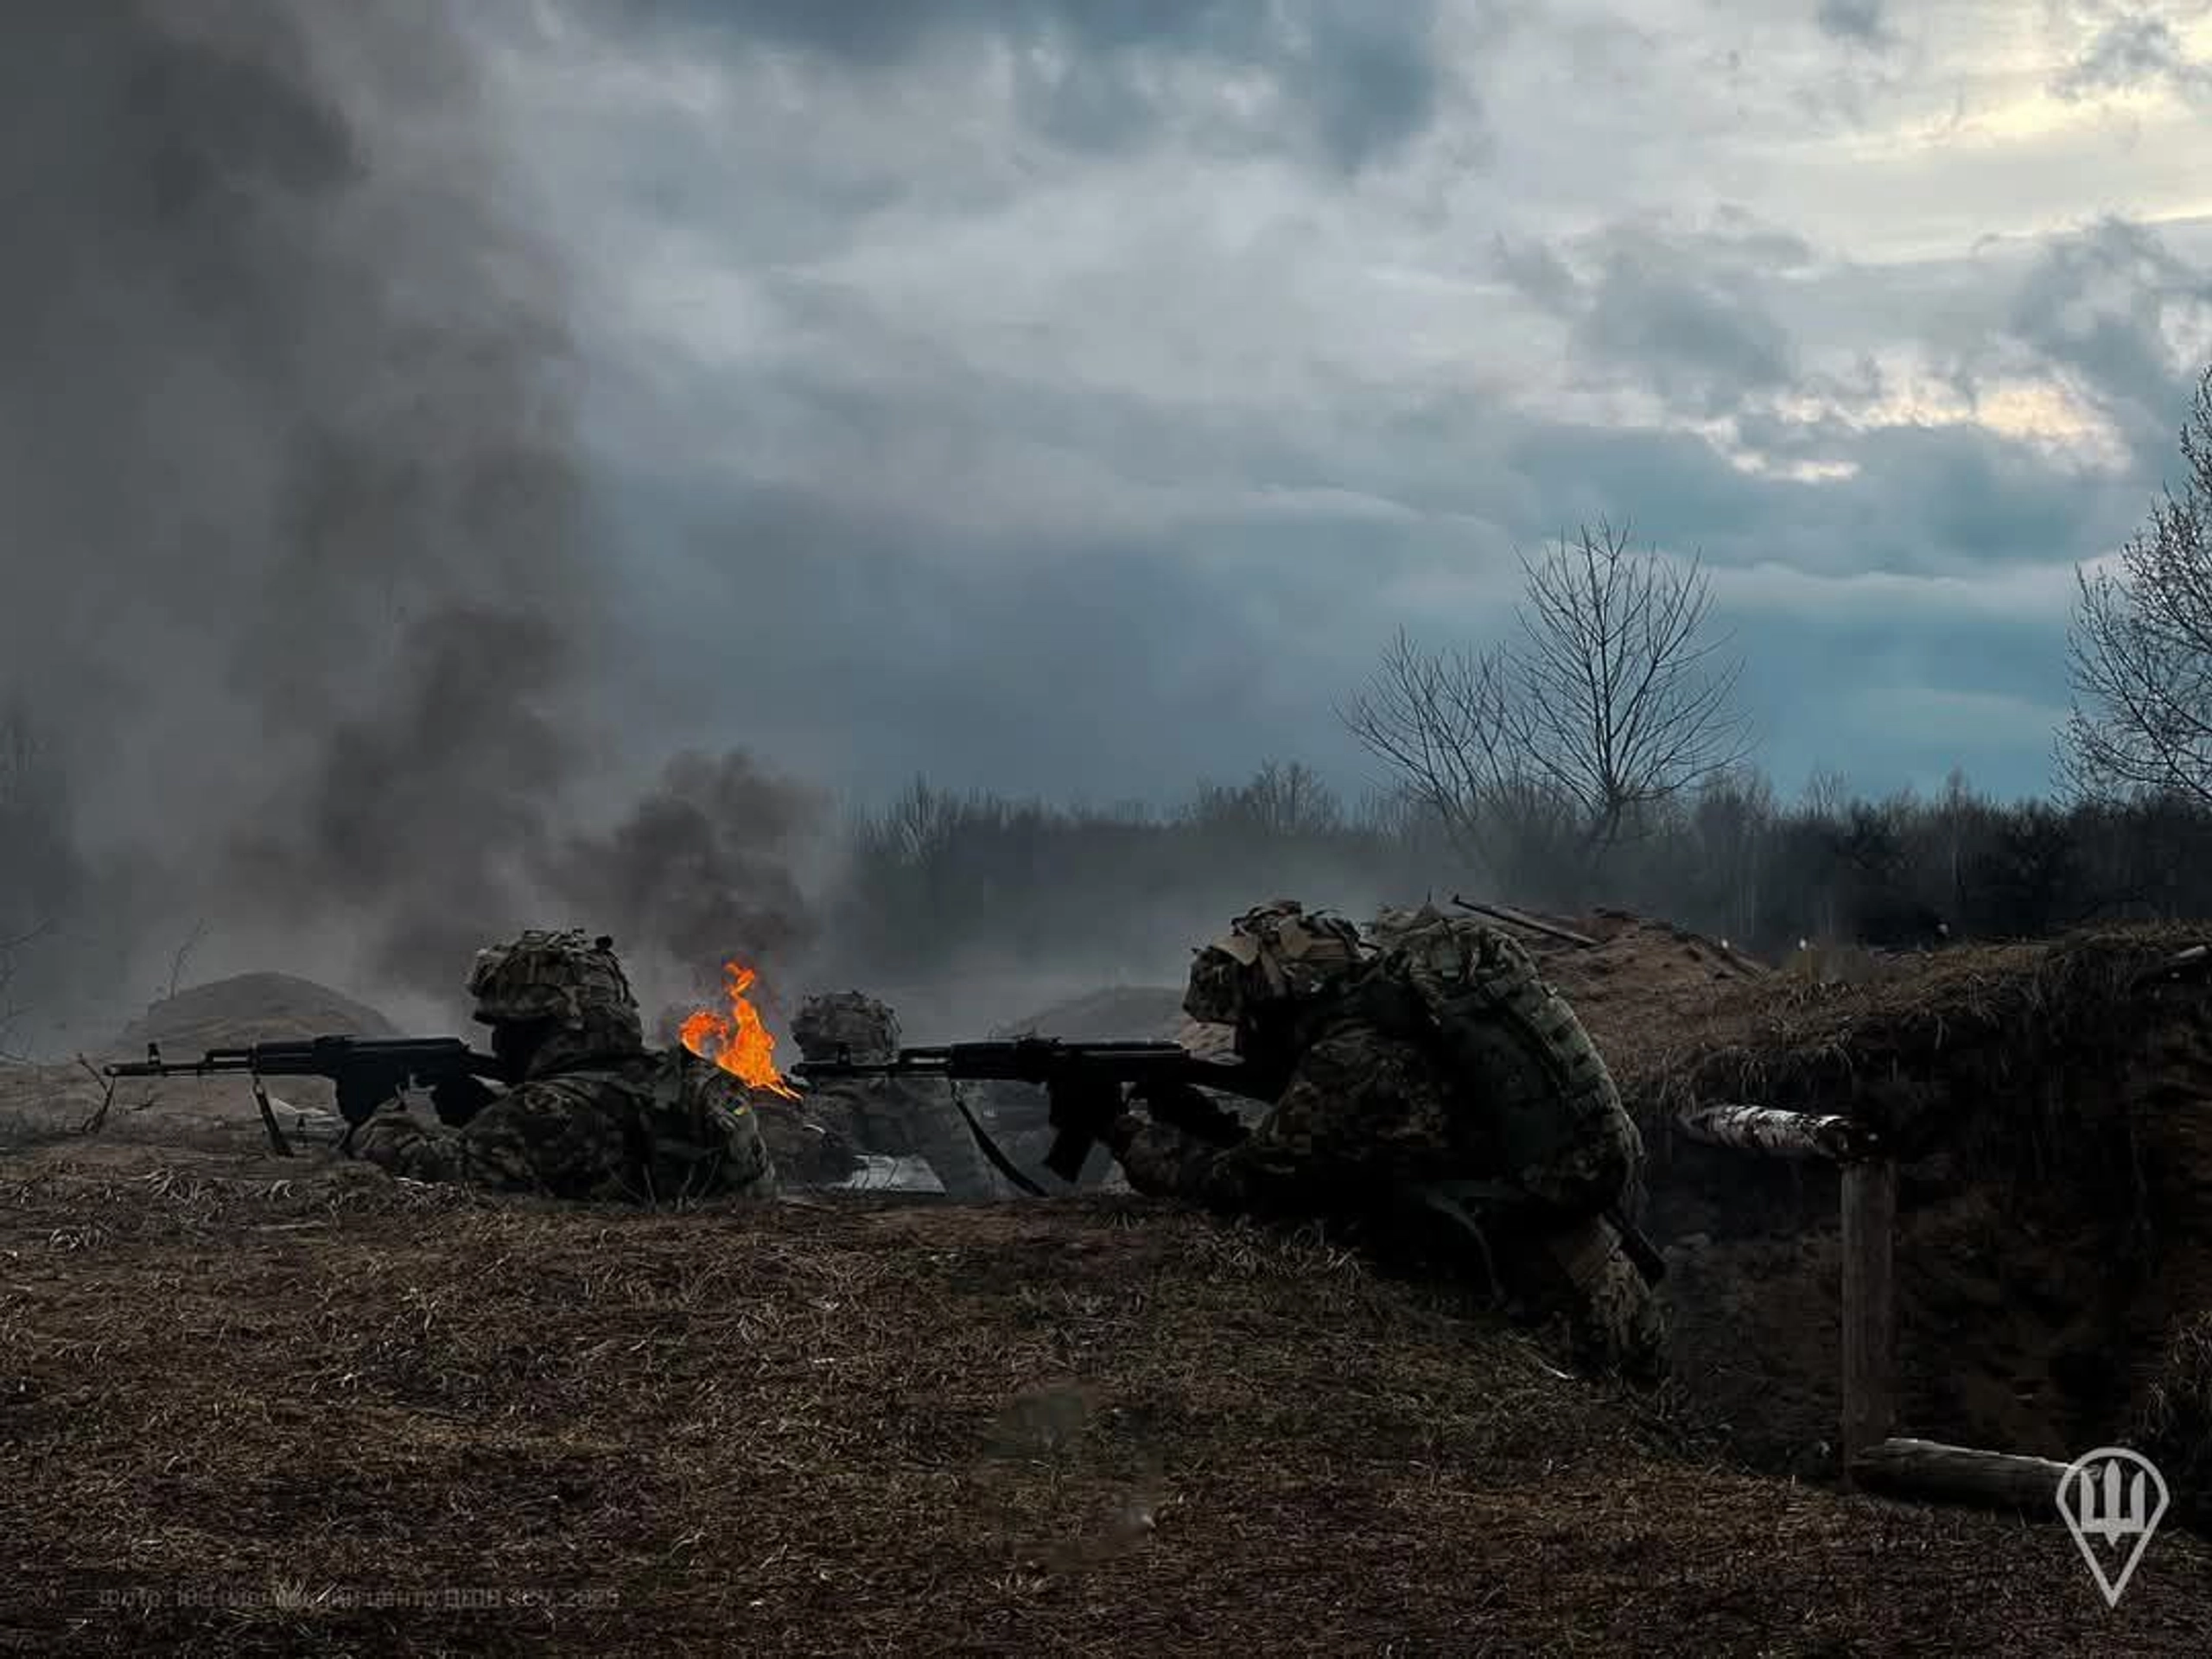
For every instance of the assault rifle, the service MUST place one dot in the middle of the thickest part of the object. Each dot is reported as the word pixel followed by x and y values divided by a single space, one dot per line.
pixel 367 1070
pixel 1083 1081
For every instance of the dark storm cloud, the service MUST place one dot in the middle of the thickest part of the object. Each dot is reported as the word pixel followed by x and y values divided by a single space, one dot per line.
pixel 1862 21
pixel 1682 313
pixel 960 452
pixel 1697 340
pixel 1933 500
pixel 1360 79
pixel 1538 273
pixel 895 655
pixel 1129 665
pixel 2135 51
pixel 1977 501
pixel 1839 693
pixel 2110 304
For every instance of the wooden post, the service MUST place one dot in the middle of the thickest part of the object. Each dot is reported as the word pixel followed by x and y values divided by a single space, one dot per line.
pixel 1870 1208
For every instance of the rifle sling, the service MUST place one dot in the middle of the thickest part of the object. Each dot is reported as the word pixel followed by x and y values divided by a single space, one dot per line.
pixel 990 1149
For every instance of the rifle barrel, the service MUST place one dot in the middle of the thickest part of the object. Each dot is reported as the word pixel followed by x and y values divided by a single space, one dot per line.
pixel 317 1056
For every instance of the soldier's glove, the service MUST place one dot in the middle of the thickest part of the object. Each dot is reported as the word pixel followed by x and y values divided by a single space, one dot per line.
pixel 1120 1133
pixel 1184 1106
pixel 459 1099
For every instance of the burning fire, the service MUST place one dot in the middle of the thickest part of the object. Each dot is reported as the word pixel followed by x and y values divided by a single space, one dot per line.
pixel 737 1041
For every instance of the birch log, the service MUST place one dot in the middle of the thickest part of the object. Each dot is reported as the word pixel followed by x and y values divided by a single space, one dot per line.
pixel 1779 1134
pixel 1959 1474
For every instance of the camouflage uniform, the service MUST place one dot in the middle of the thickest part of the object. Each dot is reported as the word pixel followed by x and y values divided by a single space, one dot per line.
pixel 595 1114
pixel 1438 1076
pixel 888 1116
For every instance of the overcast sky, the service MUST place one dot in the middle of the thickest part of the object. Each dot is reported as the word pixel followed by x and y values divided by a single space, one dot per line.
pixel 1075 395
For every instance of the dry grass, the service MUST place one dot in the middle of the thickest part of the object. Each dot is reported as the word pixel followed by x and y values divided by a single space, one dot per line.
pixel 243 1411
pixel 2053 1111
pixel 2176 1431
pixel 1676 1039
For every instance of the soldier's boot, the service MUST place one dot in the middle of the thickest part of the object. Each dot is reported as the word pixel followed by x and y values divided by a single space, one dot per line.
pixel 1614 1320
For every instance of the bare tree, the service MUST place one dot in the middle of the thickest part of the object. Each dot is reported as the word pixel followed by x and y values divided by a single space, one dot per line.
pixel 1611 701
pixel 2141 647
pixel 183 958
pixel 1827 793
pixel 1286 799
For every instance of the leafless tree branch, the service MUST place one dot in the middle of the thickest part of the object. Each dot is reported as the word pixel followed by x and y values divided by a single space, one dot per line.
pixel 183 955
pixel 2140 647
pixel 1611 701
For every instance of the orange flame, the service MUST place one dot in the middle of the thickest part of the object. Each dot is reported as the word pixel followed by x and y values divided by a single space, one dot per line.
pixel 737 1041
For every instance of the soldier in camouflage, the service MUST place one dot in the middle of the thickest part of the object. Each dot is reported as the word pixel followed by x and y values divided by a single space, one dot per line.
pixel 1426 1073
pixel 590 1113
pixel 889 1115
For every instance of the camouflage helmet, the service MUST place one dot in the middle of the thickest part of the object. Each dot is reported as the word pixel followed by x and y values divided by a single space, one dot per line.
pixel 1273 953
pixel 859 1026
pixel 562 976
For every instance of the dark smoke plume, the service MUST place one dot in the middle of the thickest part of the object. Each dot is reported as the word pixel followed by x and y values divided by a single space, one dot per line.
pixel 702 865
pixel 303 579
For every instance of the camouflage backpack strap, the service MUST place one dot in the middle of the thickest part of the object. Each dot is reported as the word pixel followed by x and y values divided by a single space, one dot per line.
pixel 1518 1049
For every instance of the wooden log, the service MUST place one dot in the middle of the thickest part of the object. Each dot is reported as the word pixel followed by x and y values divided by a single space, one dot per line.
pixel 1779 1134
pixel 1959 1474
pixel 1520 919
pixel 1870 1208
pixel 2193 963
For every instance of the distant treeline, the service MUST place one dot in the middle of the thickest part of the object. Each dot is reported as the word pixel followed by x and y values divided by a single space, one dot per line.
pixel 937 873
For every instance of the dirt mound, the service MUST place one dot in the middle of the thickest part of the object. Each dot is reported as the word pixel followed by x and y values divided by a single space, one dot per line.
pixel 2052 1103
pixel 868 1426
pixel 250 1008
pixel 233 1012
pixel 61 1103
pixel 1642 980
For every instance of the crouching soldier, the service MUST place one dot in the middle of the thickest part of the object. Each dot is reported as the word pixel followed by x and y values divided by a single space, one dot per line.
pixel 1432 1073
pixel 589 1112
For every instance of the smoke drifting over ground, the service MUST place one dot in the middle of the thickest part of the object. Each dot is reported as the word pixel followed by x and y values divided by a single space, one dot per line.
pixel 302 584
